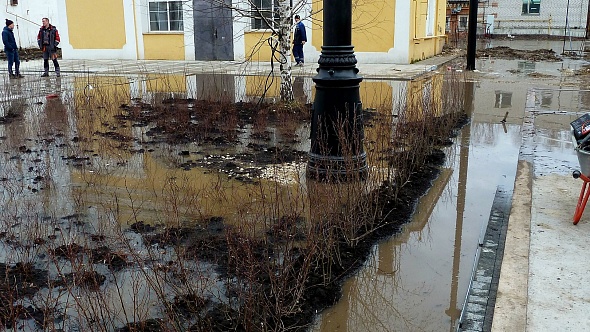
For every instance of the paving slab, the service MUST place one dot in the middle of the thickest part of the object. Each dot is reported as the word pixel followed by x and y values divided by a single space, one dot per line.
pixel 122 67
pixel 544 284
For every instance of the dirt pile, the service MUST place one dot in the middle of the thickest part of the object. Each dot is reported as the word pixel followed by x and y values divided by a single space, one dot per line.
pixel 504 52
pixel 27 54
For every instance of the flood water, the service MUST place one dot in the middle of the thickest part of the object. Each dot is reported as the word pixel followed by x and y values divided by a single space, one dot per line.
pixel 53 168
pixel 418 280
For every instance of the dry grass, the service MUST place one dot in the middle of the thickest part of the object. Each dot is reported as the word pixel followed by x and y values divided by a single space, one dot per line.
pixel 98 235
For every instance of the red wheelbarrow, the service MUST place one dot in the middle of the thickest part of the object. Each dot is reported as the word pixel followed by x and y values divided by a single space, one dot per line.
pixel 584 194
pixel 583 173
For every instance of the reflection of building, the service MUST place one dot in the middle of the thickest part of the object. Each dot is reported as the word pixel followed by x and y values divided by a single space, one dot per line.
pixel 503 99
pixel 384 31
pixel 526 67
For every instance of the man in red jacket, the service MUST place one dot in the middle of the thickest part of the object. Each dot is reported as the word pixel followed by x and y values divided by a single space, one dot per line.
pixel 48 39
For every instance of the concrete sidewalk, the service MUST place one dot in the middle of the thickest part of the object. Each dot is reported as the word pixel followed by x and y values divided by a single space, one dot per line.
pixel 544 282
pixel 127 67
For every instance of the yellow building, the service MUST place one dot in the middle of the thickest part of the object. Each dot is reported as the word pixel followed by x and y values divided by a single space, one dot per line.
pixel 384 31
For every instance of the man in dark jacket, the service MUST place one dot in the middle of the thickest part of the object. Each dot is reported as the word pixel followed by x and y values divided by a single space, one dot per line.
pixel 299 39
pixel 48 39
pixel 11 50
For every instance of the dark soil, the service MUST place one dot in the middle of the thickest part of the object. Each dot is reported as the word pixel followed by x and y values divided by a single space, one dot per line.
pixel 91 280
pixel 16 282
pixel 504 52
pixel 211 244
pixel 26 54
pixel 11 115
pixel 218 125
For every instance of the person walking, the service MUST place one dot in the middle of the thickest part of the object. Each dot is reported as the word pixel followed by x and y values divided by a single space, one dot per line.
pixel 11 50
pixel 48 39
pixel 299 39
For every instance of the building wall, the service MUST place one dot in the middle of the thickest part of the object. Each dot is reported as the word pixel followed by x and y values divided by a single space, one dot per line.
pixel 121 31
pixel 373 26
pixel 384 31
pixel 256 46
pixel 27 17
pixel 428 30
pixel 163 46
pixel 550 21
pixel 102 36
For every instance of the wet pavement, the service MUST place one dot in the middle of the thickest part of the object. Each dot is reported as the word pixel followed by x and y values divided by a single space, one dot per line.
pixel 419 279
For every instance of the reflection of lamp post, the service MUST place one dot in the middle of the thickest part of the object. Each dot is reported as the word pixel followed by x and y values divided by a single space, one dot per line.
pixel 337 125
pixel 453 312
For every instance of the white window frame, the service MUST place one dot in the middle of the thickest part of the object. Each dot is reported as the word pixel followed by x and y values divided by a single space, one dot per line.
pixel 256 11
pixel 430 17
pixel 463 22
pixel 168 21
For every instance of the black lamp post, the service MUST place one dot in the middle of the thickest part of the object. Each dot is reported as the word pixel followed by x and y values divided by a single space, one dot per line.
pixel 472 34
pixel 337 122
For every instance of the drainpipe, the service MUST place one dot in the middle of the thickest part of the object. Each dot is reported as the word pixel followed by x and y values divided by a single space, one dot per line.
pixel 588 22
pixel 135 31
pixel 567 14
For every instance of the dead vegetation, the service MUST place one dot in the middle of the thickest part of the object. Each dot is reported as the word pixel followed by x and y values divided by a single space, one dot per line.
pixel 504 52
pixel 155 247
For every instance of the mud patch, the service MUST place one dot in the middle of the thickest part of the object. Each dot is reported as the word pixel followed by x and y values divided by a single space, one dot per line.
pixel 507 53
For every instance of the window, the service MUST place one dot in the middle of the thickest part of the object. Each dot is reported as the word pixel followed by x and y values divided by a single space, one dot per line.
pixel 430 17
pixel 463 22
pixel 531 7
pixel 264 15
pixel 166 16
pixel 503 99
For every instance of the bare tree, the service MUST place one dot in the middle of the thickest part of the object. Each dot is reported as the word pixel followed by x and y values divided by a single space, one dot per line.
pixel 275 16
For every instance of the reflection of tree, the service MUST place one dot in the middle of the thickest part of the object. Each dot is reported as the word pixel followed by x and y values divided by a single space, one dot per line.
pixel 380 298
pixel 389 293
pixel 275 19
pixel 56 117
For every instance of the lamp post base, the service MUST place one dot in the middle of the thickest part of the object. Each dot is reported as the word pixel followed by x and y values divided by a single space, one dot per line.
pixel 335 168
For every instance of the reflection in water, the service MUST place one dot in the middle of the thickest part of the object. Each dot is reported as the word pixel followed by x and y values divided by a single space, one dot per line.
pixel 408 283
pixel 453 311
pixel 503 99
pixel 418 280
pixel 526 67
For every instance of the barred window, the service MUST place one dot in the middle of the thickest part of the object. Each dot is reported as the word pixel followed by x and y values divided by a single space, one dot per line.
pixel 166 16
pixel 531 7
pixel 264 14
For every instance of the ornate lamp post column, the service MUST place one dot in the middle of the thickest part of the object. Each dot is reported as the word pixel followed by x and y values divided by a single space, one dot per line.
pixel 337 131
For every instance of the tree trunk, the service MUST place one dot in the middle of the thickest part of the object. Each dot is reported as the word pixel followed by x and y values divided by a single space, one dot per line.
pixel 285 50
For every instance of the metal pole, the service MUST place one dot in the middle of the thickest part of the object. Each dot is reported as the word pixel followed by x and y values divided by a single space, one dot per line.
pixel 337 130
pixel 472 34
pixel 567 14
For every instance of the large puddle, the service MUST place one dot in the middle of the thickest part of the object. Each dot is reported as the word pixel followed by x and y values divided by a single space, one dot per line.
pixel 73 177
pixel 418 280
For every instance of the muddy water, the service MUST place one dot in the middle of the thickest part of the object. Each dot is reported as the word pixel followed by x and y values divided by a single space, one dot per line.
pixel 418 280
pixel 53 170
